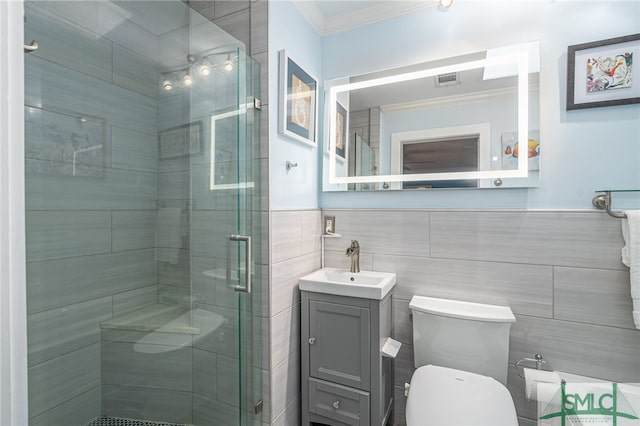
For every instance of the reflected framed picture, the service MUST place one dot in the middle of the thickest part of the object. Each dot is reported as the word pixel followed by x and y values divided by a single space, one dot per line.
pixel 180 141
pixel 341 131
pixel 65 143
pixel 511 151
pixel 601 73
pixel 298 102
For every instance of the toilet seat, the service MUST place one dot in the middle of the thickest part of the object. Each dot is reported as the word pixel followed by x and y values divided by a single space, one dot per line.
pixel 444 396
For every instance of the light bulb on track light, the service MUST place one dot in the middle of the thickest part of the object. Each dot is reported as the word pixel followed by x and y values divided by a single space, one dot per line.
pixel 205 70
pixel 228 64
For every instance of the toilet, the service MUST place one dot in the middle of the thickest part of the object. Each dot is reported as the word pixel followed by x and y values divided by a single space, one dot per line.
pixel 461 357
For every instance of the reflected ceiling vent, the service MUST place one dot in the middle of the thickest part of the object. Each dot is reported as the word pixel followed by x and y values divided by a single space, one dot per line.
pixel 449 79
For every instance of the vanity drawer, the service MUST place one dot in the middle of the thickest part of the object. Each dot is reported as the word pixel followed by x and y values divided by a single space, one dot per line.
pixel 343 404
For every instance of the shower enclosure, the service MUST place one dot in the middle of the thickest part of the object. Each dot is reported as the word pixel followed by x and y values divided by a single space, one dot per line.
pixel 142 212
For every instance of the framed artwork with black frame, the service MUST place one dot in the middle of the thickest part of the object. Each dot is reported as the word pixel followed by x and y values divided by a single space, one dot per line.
pixel 600 73
pixel 298 102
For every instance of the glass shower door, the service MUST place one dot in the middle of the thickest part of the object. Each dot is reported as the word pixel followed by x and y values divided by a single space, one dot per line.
pixel 140 137
pixel 229 199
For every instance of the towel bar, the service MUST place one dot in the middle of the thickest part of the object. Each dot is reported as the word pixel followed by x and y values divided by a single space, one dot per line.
pixel 603 201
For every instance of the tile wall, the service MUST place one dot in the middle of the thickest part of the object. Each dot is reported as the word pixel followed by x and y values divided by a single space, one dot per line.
pixel 295 252
pixel 90 215
pixel 366 124
pixel 183 183
pixel 92 236
pixel 560 272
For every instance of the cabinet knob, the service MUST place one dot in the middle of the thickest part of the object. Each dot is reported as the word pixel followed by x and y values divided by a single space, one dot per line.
pixel 312 340
pixel 336 405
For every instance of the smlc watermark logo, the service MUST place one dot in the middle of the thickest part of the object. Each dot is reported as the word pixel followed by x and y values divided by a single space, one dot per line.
pixel 606 404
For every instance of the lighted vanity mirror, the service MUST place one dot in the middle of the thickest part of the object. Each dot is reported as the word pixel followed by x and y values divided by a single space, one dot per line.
pixel 458 122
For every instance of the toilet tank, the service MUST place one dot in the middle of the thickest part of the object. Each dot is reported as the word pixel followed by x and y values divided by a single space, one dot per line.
pixel 462 335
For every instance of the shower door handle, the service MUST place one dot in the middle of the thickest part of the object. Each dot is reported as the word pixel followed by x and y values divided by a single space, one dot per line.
pixel 247 261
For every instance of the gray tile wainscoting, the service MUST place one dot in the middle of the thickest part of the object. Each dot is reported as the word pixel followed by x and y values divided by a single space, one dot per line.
pixel 560 272
pixel 295 252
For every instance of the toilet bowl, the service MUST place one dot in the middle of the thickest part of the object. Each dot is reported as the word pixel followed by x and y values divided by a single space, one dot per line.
pixel 461 358
pixel 449 397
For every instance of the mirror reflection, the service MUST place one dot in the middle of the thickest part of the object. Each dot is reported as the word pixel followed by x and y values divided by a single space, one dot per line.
pixel 457 122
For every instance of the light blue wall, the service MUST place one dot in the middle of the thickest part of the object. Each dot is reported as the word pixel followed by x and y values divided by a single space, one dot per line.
pixel 299 187
pixel 501 112
pixel 583 150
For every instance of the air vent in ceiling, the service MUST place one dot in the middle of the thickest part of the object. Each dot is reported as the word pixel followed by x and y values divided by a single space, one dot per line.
pixel 450 79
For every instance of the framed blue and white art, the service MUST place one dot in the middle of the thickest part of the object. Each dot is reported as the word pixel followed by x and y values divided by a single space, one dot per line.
pixel 298 102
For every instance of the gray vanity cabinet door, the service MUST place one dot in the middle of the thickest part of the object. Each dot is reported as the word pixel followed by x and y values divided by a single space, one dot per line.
pixel 339 345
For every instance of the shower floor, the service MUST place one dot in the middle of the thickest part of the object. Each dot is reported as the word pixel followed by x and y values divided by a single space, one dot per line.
pixel 118 421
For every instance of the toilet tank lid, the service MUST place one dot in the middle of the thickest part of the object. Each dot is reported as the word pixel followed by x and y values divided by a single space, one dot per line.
pixel 462 310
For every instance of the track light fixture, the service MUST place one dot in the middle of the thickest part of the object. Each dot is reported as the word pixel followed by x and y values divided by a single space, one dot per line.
pixel 197 67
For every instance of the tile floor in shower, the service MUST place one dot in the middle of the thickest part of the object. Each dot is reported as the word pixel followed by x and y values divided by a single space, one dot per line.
pixel 117 421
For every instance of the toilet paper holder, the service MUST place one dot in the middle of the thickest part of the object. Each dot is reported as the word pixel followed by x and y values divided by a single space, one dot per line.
pixel 537 359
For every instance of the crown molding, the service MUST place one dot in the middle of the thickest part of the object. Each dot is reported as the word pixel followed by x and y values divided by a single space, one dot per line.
pixel 374 14
pixel 312 14
pixel 455 99
pixel 449 100
pixel 335 24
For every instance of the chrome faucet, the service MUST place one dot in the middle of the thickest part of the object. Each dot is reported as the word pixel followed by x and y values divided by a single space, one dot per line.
pixel 354 253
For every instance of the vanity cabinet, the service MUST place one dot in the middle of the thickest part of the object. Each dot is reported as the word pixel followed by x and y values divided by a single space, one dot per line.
pixel 345 378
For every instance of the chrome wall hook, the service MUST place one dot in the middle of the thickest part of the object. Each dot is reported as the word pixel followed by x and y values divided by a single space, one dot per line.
pixel 291 165
pixel 31 47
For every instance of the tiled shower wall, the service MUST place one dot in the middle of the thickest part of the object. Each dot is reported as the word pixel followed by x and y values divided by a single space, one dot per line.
pixel 366 124
pixel 90 236
pixel 560 272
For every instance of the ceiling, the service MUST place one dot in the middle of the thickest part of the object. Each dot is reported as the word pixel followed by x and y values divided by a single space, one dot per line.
pixel 333 8
pixel 333 16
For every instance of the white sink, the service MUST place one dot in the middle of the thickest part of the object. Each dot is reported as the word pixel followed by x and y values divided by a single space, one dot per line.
pixel 340 282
